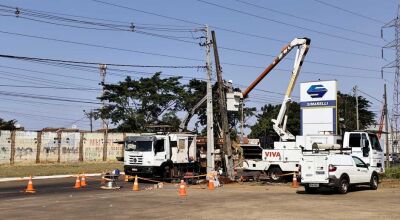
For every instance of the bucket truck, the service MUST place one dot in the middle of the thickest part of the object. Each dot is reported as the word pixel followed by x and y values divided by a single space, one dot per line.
pixel 285 155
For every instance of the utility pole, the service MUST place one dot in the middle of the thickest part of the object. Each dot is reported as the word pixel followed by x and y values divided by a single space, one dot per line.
pixel 210 117
pixel 386 127
pixel 103 71
pixel 223 112
pixel 357 116
pixel 90 116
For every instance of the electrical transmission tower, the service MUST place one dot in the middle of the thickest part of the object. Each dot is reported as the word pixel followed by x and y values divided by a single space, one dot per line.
pixel 395 44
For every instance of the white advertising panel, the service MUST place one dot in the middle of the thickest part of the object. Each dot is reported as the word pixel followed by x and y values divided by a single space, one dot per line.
pixel 318 102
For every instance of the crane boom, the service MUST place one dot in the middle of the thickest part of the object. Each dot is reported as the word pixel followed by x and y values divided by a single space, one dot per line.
pixel 302 45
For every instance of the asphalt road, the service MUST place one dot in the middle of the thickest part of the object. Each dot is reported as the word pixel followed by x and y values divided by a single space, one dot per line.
pixel 49 187
pixel 234 201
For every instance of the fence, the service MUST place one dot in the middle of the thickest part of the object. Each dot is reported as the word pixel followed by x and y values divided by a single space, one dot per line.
pixel 29 147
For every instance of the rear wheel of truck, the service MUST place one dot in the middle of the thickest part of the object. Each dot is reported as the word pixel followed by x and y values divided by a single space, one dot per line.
pixel 374 181
pixel 310 190
pixel 275 174
pixel 343 186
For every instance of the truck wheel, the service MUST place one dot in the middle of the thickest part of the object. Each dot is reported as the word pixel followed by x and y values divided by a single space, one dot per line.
pixel 374 182
pixel 310 190
pixel 167 174
pixel 275 174
pixel 343 186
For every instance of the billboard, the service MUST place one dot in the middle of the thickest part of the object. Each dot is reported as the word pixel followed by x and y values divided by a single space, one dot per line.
pixel 318 104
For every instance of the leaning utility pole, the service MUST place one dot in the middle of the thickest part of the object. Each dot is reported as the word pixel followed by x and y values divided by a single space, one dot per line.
pixel 386 126
pixel 357 116
pixel 223 112
pixel 103 71
pixel 210 118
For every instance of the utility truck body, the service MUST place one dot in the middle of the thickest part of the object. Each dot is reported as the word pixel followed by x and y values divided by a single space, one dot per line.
pixel 285 157
pixel 161 155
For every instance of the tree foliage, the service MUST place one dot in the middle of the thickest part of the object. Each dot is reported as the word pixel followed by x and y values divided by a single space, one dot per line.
pixel 7 125
pixel 264 126
pixel 347 111
pixel 132 105
pixel 135 104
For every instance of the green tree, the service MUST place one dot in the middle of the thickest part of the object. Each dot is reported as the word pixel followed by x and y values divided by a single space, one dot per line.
pixel 264 125
pixel 133 105
pixel 7 125
pixel 347 111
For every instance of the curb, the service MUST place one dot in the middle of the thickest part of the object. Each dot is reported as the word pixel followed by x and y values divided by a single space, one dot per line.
pixel 9 179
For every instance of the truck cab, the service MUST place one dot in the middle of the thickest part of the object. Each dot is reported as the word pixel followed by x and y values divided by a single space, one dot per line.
pixel 366 146
pixel 160 155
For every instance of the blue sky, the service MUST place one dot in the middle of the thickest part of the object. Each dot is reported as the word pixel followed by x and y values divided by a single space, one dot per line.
pixel 357 38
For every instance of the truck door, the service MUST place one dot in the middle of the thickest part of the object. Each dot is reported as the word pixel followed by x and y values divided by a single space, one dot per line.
pixel 361 174
pixel 356 142
pixel 159 151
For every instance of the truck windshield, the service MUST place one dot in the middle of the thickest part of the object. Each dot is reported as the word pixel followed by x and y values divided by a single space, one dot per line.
pixel 139 146
pixel 375 142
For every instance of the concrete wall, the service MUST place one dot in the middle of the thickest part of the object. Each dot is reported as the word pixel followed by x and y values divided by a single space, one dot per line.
pixel 114 150
pixel 70 147
pixel 5 147
pixel 93 147
pixel 49 147
pixel 27 147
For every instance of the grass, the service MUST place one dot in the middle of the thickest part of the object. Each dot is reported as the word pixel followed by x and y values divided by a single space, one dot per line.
pixel 57 169
pixel 392 173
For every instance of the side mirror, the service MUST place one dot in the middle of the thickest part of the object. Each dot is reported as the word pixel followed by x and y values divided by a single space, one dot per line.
pixel 368 165
pixel 365 151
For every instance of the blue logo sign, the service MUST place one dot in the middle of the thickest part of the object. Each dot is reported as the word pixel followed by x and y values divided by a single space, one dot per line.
pixel 317 91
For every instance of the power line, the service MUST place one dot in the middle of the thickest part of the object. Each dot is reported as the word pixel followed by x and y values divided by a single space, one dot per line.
pixel 100 46
pixel 229 30
pixel 50 87
pixel 93 63
pixel 53 98
pixel 155 54
pixel 290 25
pixel 307 19
pixel 47 73
pixel 350 12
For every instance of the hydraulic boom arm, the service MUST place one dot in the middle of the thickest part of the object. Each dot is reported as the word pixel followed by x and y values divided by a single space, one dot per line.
pixel 279 126
pixel 302 45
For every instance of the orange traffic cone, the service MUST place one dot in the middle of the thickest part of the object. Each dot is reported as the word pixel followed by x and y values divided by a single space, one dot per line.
pixel 182 189
pixel 83 181
pixel 136 184
pixel 29 188
pixel 77 183
pixel 295 184
pixel 126 178
pixel 211 185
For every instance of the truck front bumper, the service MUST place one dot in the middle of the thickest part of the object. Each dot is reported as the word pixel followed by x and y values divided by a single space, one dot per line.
pixel 139 170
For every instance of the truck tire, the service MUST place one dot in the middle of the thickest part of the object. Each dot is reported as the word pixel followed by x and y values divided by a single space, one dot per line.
pixel 310 190
pixel 275 174
pixel 374 181
pixel 343 185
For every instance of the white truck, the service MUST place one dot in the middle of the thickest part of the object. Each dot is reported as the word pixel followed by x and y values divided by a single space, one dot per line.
pixel 285 156
pixel 335 168
pixel 164 156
